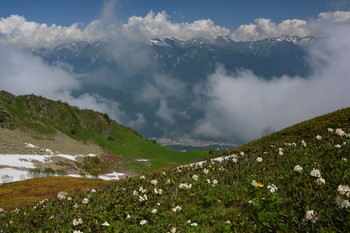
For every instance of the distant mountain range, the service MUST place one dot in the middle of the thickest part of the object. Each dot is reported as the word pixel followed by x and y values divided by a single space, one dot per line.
pixel 121 72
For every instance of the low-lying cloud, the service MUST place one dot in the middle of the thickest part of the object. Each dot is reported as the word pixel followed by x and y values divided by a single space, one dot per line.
pixel 22 73
pixel 243 104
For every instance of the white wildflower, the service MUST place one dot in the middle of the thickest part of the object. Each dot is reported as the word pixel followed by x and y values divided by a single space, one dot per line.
pixel 135 193
pixel 205 171
pixel 340 132
pixel 194 224
pixel 106 224
pixel 215 182
pixel 234 160
pixel 128 216
pixel 234 156
pixel 78 231
pixel 173 230
pixel 154 182
pixel 185 186
pixel 158 204
pixel 93 190
pixel 241 153
pixel 294 144
pixel 163 173
pixel 168 181
pixel 142 190
pixel 259 159
pixel 272 188
pixel 315 173
pixel 69 198
pixel 62 195
pixel 344 190
pixel 320 181
pixel 76 206
pixel 78 221
pixel 318 137
pixel 158 191
pixel 143 198
pixel 208 180
pixel 303 143
pixel 85 201
pixel 254 183
pixel 310 215
pixel 280 152
pixel 143 222
pixel 176 209
pixel 154 211
pixel 1 210
pixel 344 159
pixel 330 130
pixel 195 177
pixel 337 146
pixel 298 169
pixel 342 203
pixel 142 177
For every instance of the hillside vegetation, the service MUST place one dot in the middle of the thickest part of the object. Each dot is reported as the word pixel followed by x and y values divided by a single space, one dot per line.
pixel 68 129
pixel 296 180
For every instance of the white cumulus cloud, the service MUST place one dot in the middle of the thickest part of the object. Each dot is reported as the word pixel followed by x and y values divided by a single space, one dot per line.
pixel 158 25
pixel 337 16
pixel 265 28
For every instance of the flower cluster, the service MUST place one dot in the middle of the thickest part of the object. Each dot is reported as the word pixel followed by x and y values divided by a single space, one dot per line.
pixel 316 173
pixel 272 188
pixel 143 198
pixel 158 191
pixel 298 168
pixel 280 151
pixel 62 195
pixel 77 222
pixel 154 182
pixel 176 209
pixel 185 186
pixel 310 215
pixel 344 192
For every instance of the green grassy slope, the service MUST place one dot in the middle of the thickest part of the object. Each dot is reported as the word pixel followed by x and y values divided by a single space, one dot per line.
pixel 46 117
pixel 258 188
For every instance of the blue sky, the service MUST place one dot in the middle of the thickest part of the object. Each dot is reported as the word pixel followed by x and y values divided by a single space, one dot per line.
pixel 229 14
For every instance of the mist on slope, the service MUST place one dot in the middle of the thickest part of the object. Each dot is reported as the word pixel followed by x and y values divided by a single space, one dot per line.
pixel 244 104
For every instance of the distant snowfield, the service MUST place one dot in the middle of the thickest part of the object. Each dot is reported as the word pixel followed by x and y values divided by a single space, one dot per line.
pixel 15 167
